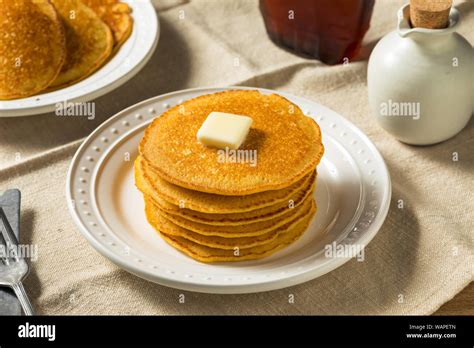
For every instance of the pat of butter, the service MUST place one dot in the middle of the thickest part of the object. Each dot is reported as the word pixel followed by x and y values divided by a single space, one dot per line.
pixel 223 130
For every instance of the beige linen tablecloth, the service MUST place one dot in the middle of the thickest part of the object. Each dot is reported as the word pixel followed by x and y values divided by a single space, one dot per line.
pixel 420 259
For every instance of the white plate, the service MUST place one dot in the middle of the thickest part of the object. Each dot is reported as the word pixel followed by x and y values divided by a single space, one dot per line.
pixel 127 62
pixel 353 196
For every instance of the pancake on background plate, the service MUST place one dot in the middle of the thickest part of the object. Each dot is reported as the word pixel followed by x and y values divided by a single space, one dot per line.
pixel 32 47
pixel 116 15
pixel 214 210
pixel 89 41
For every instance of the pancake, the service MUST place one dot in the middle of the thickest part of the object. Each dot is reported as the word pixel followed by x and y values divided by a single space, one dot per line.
pixel 116 15
pixel 287 142
pixel 207 254
pixel 232 232
pixel 242 230
pixel 167 227
pixel 267 213
pixel 208 202
pixel 89 41
pixel 32 47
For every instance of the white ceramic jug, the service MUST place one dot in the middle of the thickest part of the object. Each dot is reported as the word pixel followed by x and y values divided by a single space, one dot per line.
pixel 421 81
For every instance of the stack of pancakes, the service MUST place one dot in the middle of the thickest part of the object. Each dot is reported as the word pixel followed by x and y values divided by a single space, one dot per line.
pixel 52 44
pixel 230 211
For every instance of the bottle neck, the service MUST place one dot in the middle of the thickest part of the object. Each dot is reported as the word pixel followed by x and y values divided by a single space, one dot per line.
pixel 429 37
pixel 428 40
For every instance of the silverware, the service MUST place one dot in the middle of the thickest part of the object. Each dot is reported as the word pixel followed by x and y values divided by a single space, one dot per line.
pixel 14 268
pixel 10 200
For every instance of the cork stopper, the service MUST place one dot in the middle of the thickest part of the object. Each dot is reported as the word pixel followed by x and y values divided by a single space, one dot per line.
pixel 430 14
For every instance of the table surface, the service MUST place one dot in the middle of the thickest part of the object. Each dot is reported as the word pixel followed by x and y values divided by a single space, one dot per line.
pixel 461 304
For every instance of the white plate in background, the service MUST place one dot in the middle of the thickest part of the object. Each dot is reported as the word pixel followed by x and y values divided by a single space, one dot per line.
pixel 126 63
pixel 353 197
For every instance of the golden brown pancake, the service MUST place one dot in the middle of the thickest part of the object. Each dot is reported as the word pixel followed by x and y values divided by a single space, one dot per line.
pixel 89 41
pixel 245 230
pixel 287 142
pixel 207 254
pixel 209 202
pixel 214 210
pixel 32 47
pixel 166 226
pixel 248 217
pixel 116 15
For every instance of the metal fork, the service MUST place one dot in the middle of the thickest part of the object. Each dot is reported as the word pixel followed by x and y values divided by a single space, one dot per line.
pixel 14 268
